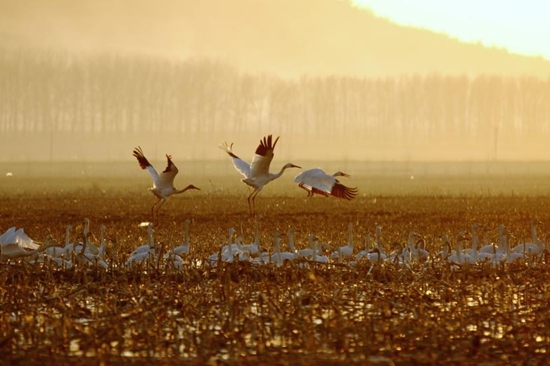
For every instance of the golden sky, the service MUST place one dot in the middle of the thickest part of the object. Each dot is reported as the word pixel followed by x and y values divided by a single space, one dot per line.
pixel 519 26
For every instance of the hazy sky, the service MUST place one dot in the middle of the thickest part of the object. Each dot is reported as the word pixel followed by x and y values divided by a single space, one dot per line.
pixel 520 26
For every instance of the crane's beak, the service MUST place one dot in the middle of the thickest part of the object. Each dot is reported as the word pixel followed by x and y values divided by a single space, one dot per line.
pixel 295 166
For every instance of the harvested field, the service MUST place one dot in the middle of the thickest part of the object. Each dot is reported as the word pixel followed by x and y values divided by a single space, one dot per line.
pixel 302 312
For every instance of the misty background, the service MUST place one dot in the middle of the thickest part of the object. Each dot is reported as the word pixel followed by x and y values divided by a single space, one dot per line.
pixel 89 81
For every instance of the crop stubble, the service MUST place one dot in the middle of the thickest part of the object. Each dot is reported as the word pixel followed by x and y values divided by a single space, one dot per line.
pixel 294 314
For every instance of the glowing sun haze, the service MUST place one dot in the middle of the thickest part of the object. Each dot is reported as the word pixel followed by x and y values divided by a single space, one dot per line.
pixel 519 26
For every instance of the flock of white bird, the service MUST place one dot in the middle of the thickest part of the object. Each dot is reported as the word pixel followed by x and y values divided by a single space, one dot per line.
pixel 16 245
pixel 256 175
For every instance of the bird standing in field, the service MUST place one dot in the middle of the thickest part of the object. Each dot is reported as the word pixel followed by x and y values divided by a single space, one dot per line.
pixel 257 174
pixel 316 181
pixel 163 183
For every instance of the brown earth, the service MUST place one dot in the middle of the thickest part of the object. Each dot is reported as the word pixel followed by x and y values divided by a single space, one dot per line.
pixel 374 313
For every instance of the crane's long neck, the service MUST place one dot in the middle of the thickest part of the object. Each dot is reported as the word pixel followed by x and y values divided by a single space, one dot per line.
pixel 231 231
pixel 350 235
pixel 102 244
pixel 178 191
pixel 186 227
pixel 475 240
pixel 446 246
pixel 315 249
pixel 277 243
pixel 459 248
pixel 150 231
pixel 257 233
pixel 310 241
pixel 86 226
pixel 501 236
pixel 68 235
pixel 367 242
pixel 273 176
pixel 536 239
pixel 411 241
pixel 291 240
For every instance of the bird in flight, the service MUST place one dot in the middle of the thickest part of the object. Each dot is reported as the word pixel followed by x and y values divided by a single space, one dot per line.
pixel 257 174
pixel 163 183
pixel 316 181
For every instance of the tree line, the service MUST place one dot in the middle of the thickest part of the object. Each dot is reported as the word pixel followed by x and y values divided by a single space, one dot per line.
pixel 107 94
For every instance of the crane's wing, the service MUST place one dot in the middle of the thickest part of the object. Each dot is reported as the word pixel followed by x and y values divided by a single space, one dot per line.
pixel 341 191
pixel 7 235
pixel 262 158
pixel 144 164
pixel 23 240
pixel 242 166
pixel 167 176
pixel 316 180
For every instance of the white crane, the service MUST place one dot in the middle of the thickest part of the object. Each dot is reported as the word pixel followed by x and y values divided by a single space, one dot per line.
pixel 10 248
pixel 279 257
pixel 58 251
pixel 346 250
pixel 254 247
pixel 79 246
pixel 228 252
pixel 183 249
pixel 317 255
pixel 257 174
pixel 18 236
pixel 150 241
pixel 536 247
pixel 458 255
pixel 144 252
pixel 163 183
pixel 316 181
pixel 89 258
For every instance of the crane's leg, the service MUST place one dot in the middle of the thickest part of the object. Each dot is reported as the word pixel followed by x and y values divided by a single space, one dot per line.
pixel 251 201
pixel 153 209
pixel 162 200
pixel 309 193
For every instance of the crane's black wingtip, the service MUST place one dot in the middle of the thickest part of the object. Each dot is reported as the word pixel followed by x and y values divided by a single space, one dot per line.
pixel 142 160
pixel 266 144
pixel 341 191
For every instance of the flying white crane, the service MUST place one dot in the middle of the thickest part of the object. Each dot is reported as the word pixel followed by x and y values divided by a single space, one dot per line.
pixel 163 184
pixel 316 181
pixel 257 174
